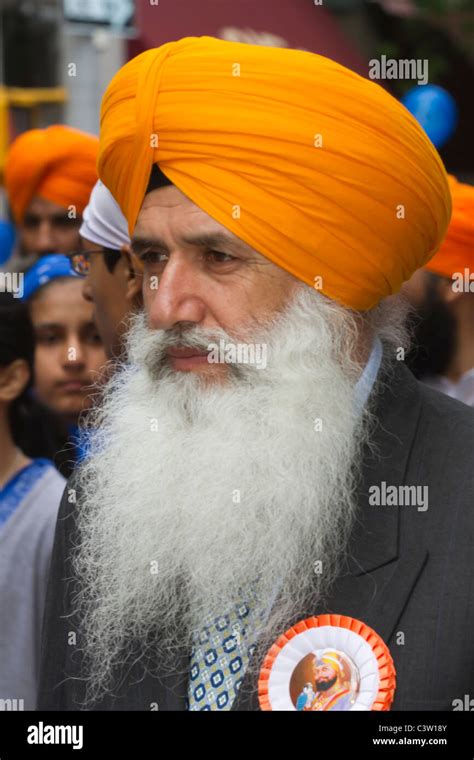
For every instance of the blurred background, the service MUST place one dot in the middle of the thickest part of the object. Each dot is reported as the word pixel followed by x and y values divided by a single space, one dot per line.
pixel 57 56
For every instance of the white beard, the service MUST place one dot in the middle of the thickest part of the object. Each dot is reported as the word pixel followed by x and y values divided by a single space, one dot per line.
pixel 194 489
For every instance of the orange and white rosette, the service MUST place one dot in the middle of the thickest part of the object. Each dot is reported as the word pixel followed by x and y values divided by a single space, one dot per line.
pixel 327 663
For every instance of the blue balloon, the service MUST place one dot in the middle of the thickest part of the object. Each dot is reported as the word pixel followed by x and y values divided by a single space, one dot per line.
pixel 7 240
pixel 435 109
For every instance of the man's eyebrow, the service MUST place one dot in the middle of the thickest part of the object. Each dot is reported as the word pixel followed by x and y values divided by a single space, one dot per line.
pixel 52 215
pixel 212 240
pixel 203 240
pixel 49 326
pixel 141 244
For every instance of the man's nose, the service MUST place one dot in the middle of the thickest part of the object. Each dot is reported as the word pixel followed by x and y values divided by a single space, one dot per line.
pixel 175 297
pixel 45 242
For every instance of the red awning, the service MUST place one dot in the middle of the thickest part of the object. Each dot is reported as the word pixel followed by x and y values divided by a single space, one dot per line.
pixel 285 23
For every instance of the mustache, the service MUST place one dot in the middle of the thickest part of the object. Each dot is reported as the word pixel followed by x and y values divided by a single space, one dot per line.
pixel 189 335
pixel 203 339
pixel 184 335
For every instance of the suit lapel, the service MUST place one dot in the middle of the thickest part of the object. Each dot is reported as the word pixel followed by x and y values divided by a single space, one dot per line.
pixel 379 574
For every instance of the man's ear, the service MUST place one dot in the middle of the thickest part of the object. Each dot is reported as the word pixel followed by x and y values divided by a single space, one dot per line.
pixel 134 275
pixel 13 380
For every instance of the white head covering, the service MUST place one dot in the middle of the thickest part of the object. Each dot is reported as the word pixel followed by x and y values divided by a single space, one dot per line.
pixel 103 222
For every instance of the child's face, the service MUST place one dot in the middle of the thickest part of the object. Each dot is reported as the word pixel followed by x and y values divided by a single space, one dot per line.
pixel 69 351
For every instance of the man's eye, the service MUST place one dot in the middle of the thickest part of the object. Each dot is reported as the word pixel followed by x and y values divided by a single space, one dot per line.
pixel 64 222
pixel 30 221
pixel 153 257
pixel 218 257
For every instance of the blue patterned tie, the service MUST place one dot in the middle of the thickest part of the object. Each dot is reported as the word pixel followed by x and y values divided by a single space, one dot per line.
pixel 221 653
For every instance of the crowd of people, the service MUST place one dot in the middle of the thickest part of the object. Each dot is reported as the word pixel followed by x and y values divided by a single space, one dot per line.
pixel 108 400
pixel 57 343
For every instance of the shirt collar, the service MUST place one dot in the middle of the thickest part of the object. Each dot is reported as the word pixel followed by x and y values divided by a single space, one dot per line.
pixel 367 379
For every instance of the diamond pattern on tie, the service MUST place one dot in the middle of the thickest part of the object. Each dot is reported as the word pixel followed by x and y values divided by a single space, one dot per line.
pixel 219 657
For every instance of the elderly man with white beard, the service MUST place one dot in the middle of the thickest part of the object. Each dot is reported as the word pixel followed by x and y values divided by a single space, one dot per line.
pixel 224 501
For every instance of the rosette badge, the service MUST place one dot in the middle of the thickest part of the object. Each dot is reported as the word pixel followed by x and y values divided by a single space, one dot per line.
pixel 327 663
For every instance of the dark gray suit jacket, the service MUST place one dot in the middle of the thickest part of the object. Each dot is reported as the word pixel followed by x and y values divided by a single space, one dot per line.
pixel 409 573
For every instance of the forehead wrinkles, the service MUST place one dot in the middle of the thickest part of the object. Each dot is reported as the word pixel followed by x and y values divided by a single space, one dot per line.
pixel 188 230
pixel 176 217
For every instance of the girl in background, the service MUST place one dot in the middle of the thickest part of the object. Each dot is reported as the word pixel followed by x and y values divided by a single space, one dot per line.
pixel 30 493
pixel 69 355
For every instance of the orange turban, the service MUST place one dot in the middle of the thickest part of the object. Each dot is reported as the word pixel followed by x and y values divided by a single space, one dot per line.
pixel 57 163
pixel 320 170
pixel 457 249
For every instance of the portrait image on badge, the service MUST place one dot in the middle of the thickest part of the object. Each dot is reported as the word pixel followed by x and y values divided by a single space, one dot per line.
pixel 324 680
pixel 328 663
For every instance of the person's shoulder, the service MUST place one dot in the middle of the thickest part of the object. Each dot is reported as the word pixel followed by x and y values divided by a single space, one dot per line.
pixel 38 515
pixel 448 412
pixel 445 438
pixel 443 427
pixel 48 488
pixel 51 479
pixel 433 405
